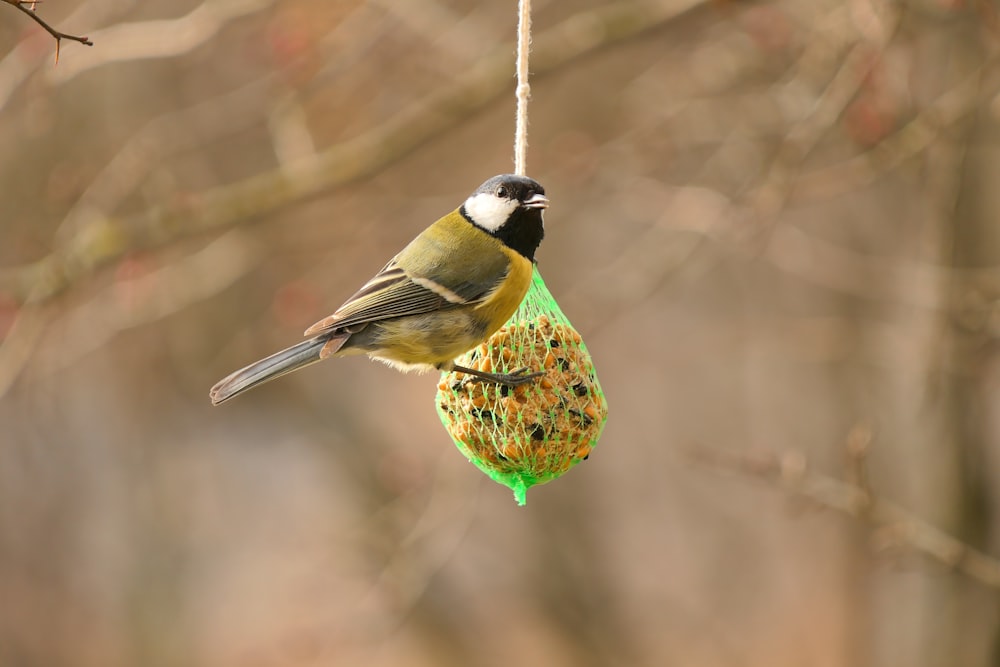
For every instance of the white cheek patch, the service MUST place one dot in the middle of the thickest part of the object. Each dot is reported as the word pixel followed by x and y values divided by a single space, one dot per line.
pixel 488 211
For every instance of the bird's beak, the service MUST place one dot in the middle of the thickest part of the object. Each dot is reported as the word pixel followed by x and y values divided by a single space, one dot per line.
pixel 536 201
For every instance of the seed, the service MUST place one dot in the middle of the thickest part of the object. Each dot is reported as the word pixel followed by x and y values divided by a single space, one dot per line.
pixel 482 415
pixel 510 451
pixel 583 419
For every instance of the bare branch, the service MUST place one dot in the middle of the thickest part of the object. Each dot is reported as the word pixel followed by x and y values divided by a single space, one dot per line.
pixel 56 34
pixel 893 523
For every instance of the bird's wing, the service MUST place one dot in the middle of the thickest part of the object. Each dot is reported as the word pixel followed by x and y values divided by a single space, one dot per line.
pixel 394 292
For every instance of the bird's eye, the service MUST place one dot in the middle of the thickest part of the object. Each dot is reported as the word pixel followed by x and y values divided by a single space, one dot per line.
pixel 502 192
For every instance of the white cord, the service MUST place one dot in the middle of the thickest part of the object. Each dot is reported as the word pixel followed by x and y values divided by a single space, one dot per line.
pixel 523 89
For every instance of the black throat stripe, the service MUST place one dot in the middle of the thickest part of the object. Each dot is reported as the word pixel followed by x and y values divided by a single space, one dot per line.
pixel 523 231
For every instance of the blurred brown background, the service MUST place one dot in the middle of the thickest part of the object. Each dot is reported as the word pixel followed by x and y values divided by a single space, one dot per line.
pixel 775 224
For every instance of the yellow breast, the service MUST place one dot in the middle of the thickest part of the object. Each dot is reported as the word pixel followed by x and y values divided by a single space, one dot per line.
pixel 501 303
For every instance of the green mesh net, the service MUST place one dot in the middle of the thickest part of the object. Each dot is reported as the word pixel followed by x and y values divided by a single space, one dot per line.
pixel 530 434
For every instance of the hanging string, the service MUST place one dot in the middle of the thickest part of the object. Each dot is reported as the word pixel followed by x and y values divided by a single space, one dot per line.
pixel 523 89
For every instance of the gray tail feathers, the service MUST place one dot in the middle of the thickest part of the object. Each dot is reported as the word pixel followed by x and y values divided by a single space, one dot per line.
pixel 280 363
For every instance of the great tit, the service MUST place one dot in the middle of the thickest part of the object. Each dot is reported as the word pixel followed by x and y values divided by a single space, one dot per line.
pixel 447 291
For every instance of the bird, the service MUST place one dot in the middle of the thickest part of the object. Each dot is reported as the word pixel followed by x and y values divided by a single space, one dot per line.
pixel 446 292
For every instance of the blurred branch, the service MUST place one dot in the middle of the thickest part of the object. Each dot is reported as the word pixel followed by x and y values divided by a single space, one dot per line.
pixel 894 525
pixel 160 38
pixel 153 296
pixel 807 256
pixel 841 51
pixel 842 269
pixel 56 34
pixel 127 41
pixel 767 200
pixel 427 18
pixel 910 140
pixel 127 303
pixel 107 239
pixel 225 114
pixel 19 344
pixel 171 133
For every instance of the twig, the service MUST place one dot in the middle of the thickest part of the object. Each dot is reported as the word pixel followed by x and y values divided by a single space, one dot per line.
pixel 56 34
pixel 791 474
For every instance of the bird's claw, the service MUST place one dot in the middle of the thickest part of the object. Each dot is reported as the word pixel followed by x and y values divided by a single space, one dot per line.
pixel 518 377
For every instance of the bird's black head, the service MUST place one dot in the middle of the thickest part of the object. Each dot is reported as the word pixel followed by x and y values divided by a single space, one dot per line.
pixel 510 208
